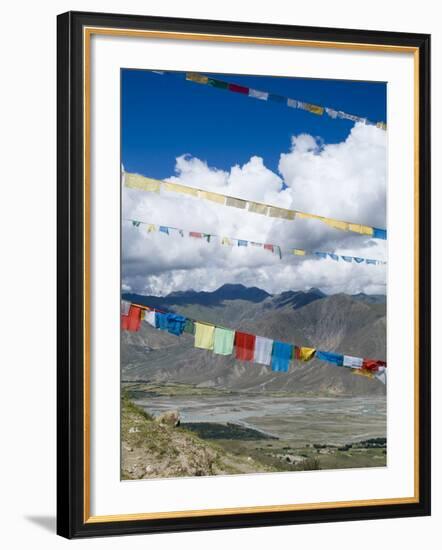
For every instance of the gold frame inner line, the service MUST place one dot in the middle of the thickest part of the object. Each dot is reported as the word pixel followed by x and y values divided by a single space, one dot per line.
pixel 87 34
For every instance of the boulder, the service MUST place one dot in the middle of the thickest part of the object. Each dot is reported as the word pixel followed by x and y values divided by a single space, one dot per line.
pixel 171 418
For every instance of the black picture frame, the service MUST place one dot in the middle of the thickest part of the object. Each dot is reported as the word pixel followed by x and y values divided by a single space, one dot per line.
pixel 72 520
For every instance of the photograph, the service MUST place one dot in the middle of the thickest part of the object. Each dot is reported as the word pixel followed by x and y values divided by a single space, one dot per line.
pixel 254 264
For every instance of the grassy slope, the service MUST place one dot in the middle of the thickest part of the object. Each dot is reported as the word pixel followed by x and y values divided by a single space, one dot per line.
pixel 150 450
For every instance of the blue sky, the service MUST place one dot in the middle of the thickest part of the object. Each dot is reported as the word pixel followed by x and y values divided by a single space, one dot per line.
pixel 165 116
pixel 245 147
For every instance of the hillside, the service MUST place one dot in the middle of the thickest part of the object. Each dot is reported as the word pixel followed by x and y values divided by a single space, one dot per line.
pixel 151 449
pixel 355 325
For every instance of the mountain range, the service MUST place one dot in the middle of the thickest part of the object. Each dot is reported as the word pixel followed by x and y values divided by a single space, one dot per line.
pixel 350 324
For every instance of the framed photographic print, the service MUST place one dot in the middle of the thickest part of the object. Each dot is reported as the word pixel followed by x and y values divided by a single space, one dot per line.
pixel 243 274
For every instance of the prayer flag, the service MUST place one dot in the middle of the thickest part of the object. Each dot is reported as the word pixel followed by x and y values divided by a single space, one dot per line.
pixel 347 258
pixel 299 252
pixel 226 241
pixel 359 228
pixel 164 229
pixel 304 354
pixel 151 228
pixel 381 375
pixel 331 112
pixel 135 181
pixel 373 364
pixel 379 233
pixel 223 341
pixel 160 320
pixel 204 336
pixel 315 109
pixel 196 77
pixel 337 224
pixel 125 307
pixel 189 327
pixel 217 83
pixel 358 260
pixel 214 197
pixel 292 103
pixel 238 89
pixel 149 317
pixel 258 95
pixel 263 350
pixel 242 243
pixel 334 257
pixel 363 372
pixel 195 235
pixel 322 255
pixel 258 208
pixel 330 357
pixel 371 262
pixel 275 212
pixel 268 247
pixel 132 320
pixel 281 356
pixel 245 346
pixel 352 362
pixel 237 203
pixel 135 223
pixel 178 188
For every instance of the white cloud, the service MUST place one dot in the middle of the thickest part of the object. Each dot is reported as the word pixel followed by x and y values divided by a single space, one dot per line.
pixel 345 181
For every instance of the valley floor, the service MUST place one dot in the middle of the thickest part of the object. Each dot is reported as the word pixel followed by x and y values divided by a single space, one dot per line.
pixel 229 433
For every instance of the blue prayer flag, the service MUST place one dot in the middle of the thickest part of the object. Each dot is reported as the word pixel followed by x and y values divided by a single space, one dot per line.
pixel 281 356
pixel 379 233
pixel 331 357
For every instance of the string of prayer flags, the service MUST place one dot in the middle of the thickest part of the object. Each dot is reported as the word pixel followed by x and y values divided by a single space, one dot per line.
pixel 245 346
pixel 318 110
pixel 274 248
pixel 136 181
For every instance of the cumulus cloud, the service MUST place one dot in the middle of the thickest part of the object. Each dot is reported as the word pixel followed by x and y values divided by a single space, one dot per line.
pixel 345 181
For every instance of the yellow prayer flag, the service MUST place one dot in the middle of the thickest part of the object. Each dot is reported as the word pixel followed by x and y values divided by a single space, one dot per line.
pixel 196 77
pixel 337 224
pixel 237 203
pixel 305 354
pixel 178 188
pixel 381 125
pixel 214 197
pixel 258 208
pixel 363 372
pixel 316 109
pixel 151 228
pixel 275 212
pixel 299 252
pixel 204 336
pixel 358 228
pixel 226 241
pixel 134 181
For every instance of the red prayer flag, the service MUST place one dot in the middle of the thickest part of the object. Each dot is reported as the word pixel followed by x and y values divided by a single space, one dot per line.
pixel 238 89
pixel 132 320
pixel 195 234
pixel 268 247
pixel 373 364
pixel 244 346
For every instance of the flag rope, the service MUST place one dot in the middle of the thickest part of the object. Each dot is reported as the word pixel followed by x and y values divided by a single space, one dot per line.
pixel 143 183
pixel 365 367
pixel 229 241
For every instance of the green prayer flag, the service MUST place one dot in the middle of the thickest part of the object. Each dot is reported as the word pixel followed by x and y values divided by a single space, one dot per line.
pixel 217 83
pixel 223 341
pixel 189 327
